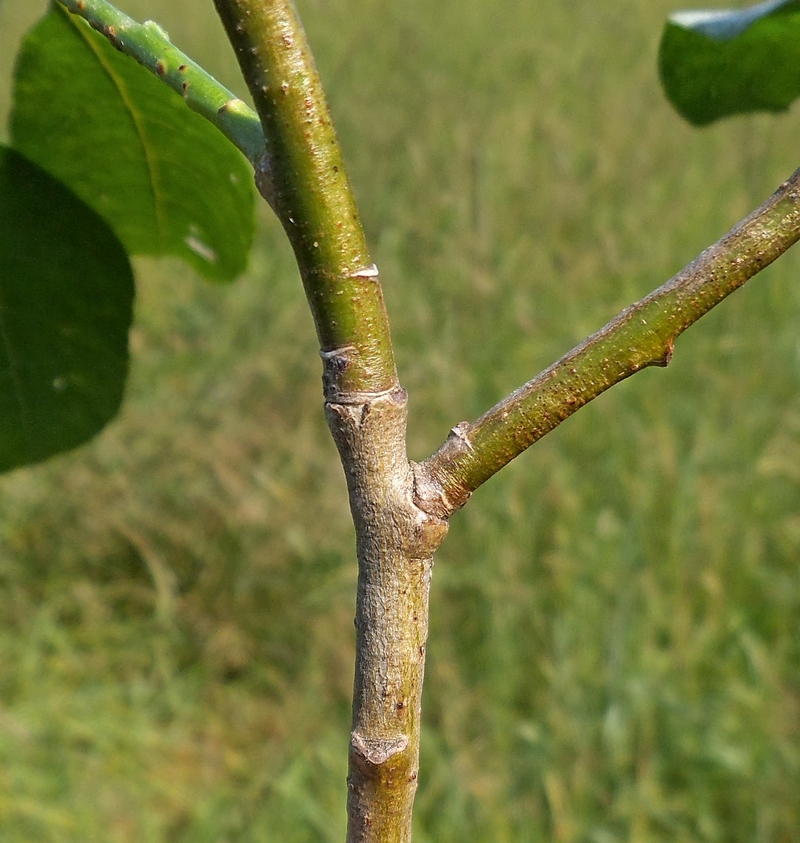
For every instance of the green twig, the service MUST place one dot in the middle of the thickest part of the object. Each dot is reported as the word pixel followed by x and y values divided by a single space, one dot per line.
pixel 643 335
pixel 303 177
pixel 150 46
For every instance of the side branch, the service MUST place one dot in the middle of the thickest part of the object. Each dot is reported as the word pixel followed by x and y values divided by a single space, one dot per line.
pixel 149 44
pixel 642 335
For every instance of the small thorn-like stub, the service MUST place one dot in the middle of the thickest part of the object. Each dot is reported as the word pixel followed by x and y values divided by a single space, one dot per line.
pixel 460 433
pixel 667 358
pixel 161 67
pixel 377 751
pixel 370 271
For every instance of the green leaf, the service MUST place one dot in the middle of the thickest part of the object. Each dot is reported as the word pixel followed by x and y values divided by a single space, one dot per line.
pixel 165 179
pixel 715 64
pixel 66 301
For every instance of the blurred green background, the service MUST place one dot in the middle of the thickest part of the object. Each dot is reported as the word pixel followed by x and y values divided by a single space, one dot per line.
pixel 615 643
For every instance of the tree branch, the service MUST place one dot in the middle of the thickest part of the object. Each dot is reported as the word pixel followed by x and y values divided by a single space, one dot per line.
pixel 302 176
pixel 642 335
pixel 150 46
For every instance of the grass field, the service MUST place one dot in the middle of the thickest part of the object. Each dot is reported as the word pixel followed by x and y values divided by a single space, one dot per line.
pixel 615 645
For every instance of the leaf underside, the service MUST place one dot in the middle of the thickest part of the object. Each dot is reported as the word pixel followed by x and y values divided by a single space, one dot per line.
pixel 164 178
pixel 66 301
pixel 717 64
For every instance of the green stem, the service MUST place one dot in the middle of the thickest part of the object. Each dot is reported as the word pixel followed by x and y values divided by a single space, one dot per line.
pixel 303 177
pixel 150 46
pixel 643 335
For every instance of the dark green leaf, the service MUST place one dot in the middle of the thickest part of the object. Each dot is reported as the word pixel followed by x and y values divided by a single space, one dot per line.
pixel 166 180
pixel 715 64
pixel 66 299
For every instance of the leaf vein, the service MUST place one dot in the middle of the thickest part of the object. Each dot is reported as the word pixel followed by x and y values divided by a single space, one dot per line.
pixel 139 125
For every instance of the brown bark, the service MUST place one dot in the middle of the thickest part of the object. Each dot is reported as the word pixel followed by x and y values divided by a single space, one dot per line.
pixel 395 543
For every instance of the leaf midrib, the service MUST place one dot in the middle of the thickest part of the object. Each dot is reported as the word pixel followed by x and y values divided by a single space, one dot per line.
pixel 139 125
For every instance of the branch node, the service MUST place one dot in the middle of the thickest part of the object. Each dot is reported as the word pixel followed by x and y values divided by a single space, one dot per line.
pixel 158 29
pixel 430 495
pixel 668 352
pixel 370 271
pixel 429 531
pixel 234 105
pixel 460 433
pixel 378 751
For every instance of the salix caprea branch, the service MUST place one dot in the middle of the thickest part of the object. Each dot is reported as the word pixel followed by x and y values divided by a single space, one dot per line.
pixel 642 335
pixel 400 510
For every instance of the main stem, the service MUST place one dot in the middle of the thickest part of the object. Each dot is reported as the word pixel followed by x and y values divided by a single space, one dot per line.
pixel 395 542
pixel 302 176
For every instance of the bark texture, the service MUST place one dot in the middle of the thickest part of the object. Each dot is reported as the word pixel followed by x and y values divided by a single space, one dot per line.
pixel 395 543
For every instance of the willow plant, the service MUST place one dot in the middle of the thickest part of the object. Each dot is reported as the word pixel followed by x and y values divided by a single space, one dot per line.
pixel 401 508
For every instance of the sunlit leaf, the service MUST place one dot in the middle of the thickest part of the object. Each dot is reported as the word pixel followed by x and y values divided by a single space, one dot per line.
pixel 165 179
pixel 66 299
pixel 717 63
